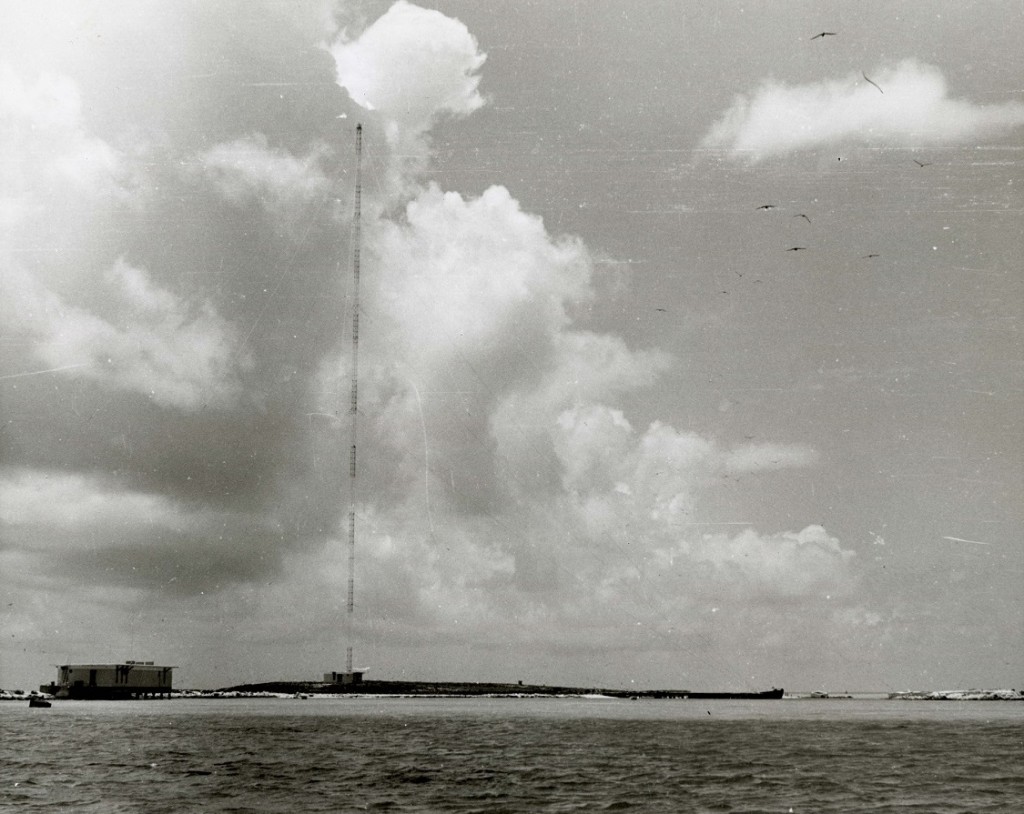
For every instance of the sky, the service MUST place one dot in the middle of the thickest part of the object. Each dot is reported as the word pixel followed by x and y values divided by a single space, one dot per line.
pixel 689 341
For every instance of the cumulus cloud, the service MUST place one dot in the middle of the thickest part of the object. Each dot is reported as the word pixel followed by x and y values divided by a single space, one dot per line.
pixel 57 180
pixel 641 493
pixel 477 277
pixel 411 66
pixel 914 109
pixel 111 324
pixel 248 168
pixel 784 565
pixel 43 128
pixel 593 521
pixel 661 469
pixel 151 341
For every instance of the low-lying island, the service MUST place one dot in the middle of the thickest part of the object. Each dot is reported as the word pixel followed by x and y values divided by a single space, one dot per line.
pixel 470 688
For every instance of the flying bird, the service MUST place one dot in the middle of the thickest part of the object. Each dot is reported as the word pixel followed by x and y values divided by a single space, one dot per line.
pixel 873 83
pixel 797 249
pixel 922 163
pixel 767 206
pixel 825 34
pixel 869 256
pixel 802 215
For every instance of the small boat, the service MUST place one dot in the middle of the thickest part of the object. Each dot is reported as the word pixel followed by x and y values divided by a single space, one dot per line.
pixel 38 702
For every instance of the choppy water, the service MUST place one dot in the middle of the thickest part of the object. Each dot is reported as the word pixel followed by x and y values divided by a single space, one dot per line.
pixel 513 755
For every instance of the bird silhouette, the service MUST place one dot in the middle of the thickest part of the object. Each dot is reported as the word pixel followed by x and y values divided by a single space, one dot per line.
pixel 873 83
pixel 797 249
pixel 802 215
pixel 922 163
pixel 767 206
pixel 824 34
pixel 869 256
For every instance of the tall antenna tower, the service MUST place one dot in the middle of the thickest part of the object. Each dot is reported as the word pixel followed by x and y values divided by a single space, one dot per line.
pixel 354 404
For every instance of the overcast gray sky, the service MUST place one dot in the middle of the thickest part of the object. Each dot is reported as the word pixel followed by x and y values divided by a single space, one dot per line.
pixel 690 342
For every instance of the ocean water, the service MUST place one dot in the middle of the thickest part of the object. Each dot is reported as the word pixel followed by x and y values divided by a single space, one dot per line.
pixel 512 755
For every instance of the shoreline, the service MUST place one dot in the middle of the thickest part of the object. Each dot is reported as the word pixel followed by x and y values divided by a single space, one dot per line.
pixel 450 689
pixel 467 689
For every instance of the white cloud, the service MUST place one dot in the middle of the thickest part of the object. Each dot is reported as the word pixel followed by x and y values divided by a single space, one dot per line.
pixel 152 342
pixel 805 564
pixel 913 110
pixel 474 297
pixel 247 168
pixel 60 502
pixel 660 471
pixel 411 66
pixel 476 278
pixel 42 129
pixel 593 535
pixel 59 184
pixel 137 336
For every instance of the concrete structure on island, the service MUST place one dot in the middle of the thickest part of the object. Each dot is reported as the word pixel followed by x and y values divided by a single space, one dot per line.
pixel 129 679
pixel 353 677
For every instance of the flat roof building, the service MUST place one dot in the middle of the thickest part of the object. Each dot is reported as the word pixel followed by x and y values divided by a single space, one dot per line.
pixel 353 677
pixel 130 679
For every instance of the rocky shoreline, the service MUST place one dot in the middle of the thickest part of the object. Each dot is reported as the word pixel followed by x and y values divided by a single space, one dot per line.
pixel 958 695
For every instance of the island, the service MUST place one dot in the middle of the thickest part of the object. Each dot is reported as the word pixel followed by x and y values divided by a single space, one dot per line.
pixel 471 689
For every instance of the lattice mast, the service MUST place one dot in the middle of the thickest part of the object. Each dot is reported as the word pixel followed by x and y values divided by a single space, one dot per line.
pixel 354 400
